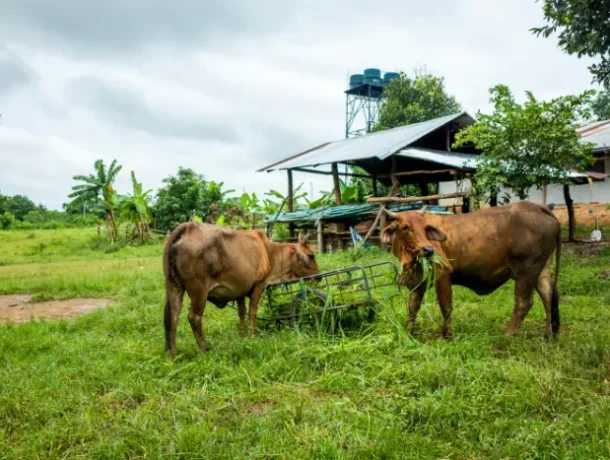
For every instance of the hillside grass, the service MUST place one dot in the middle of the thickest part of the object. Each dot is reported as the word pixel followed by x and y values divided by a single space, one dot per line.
pixel 101 385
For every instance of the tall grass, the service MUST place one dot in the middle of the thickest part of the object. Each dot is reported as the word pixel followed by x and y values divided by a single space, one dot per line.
pixel 101 386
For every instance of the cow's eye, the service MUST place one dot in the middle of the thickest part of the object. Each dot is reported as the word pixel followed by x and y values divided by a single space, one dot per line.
pixel 311 256
pixel 405 227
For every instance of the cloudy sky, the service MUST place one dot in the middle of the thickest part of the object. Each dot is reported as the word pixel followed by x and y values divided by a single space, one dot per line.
pixel 226 88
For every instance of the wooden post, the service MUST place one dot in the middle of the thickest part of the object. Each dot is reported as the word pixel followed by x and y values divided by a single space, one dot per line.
pixel 571 217
pixel 375 185
pixel 321 248
pixel 465 205
pixel 337 189
pixel 382 225
pixel 336 186
pixel 290 192
pixel 395 182
pixel 290 200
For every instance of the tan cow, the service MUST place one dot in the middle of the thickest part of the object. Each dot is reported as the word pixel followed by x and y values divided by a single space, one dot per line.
pixel 216 264
pixel 482 251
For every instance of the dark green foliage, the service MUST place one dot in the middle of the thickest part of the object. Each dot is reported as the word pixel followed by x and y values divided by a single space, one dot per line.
pixel 184 195
pixel 527 145
pixel 18 205
pixel 412 100
pixel 582 29
pixel 600 106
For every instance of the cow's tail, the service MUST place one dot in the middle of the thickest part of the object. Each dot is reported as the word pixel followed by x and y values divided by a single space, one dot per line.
pixel 555 322
pixel 174 288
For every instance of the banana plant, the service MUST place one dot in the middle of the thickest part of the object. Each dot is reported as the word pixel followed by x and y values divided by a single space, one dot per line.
pixel 350 194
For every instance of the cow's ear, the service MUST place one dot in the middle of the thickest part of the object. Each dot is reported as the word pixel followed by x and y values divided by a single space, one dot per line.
pixel 388 233
pixel 434 234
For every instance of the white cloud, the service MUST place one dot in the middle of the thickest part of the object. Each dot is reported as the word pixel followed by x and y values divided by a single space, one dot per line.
pixel 226 89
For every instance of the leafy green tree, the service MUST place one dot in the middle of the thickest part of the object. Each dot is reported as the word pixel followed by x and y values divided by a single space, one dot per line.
pixel 20 206
pixel 100 186
pixel 414 99
pixel 582 28
pixel 3 203
pixel 7 220
pixel 184 196
pixel 600 106
pixel 409 100
pixel 527 145
pixel 135 210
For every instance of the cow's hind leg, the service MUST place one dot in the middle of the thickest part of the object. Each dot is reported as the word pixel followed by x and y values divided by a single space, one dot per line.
pixel 173 305
pixel 198 297
pixel 257 292
pixel 524 298
pixel 241 309
pixel 545 291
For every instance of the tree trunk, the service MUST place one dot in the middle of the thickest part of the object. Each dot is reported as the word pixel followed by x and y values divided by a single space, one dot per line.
pixel 336 184
pixel 571 217
pixel 493 200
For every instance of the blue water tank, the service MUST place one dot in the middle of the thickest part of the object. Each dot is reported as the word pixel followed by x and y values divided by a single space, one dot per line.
pixel 356 80
pixel 371 73
pixel 389 76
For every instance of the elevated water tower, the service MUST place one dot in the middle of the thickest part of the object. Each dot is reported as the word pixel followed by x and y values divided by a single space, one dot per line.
pixel 363 100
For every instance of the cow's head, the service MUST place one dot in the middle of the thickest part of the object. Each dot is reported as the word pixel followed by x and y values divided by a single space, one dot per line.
pixel 302 259
pixel 411 236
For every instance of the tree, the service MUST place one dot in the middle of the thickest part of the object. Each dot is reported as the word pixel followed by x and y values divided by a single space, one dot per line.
pixel 20 206
pixel 409 100
pixel 412 100
pixel 527 145
pixel 600 106
pixel 135 209
pixel 582 28
pixel 185 195
pixel 100 186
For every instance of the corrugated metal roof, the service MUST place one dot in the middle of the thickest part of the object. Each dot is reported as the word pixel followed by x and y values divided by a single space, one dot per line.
pixel 596 132
pixel 452 159
pixel 458 160
pixel 379 145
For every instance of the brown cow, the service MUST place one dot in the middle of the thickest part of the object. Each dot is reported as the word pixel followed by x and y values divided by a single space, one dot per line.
pixel 214 263
pixel 482 251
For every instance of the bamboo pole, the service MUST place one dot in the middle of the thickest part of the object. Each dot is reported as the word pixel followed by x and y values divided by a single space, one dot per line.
pixel 414 199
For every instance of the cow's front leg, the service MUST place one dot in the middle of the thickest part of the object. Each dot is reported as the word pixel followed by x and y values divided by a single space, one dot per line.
pixel 257 292
pixel 445 301
pixel 415 299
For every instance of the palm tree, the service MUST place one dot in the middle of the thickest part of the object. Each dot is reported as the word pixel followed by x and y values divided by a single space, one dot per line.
pixel 135 209
pixel 97 186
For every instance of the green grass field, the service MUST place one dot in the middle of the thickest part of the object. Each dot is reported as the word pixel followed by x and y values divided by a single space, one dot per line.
pixel 101 385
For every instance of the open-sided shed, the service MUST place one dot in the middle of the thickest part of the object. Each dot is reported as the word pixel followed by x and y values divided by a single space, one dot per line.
pixel 419 153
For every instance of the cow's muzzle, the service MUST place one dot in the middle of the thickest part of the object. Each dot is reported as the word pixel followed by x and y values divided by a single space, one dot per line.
pixel 428 251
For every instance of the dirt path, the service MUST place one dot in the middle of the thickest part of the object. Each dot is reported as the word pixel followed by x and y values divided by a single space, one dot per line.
pixel 19 309
pixel 582 215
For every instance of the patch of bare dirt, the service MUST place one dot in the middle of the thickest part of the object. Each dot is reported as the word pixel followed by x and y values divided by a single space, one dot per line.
pixel 586 249
pixel 19 308
pixel 582 214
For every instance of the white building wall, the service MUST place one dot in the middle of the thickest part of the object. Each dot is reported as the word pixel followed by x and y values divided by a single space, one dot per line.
pixel 599 191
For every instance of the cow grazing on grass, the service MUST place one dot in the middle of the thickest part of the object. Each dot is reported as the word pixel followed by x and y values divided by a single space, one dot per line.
pixel 481 251
pixel 216 264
